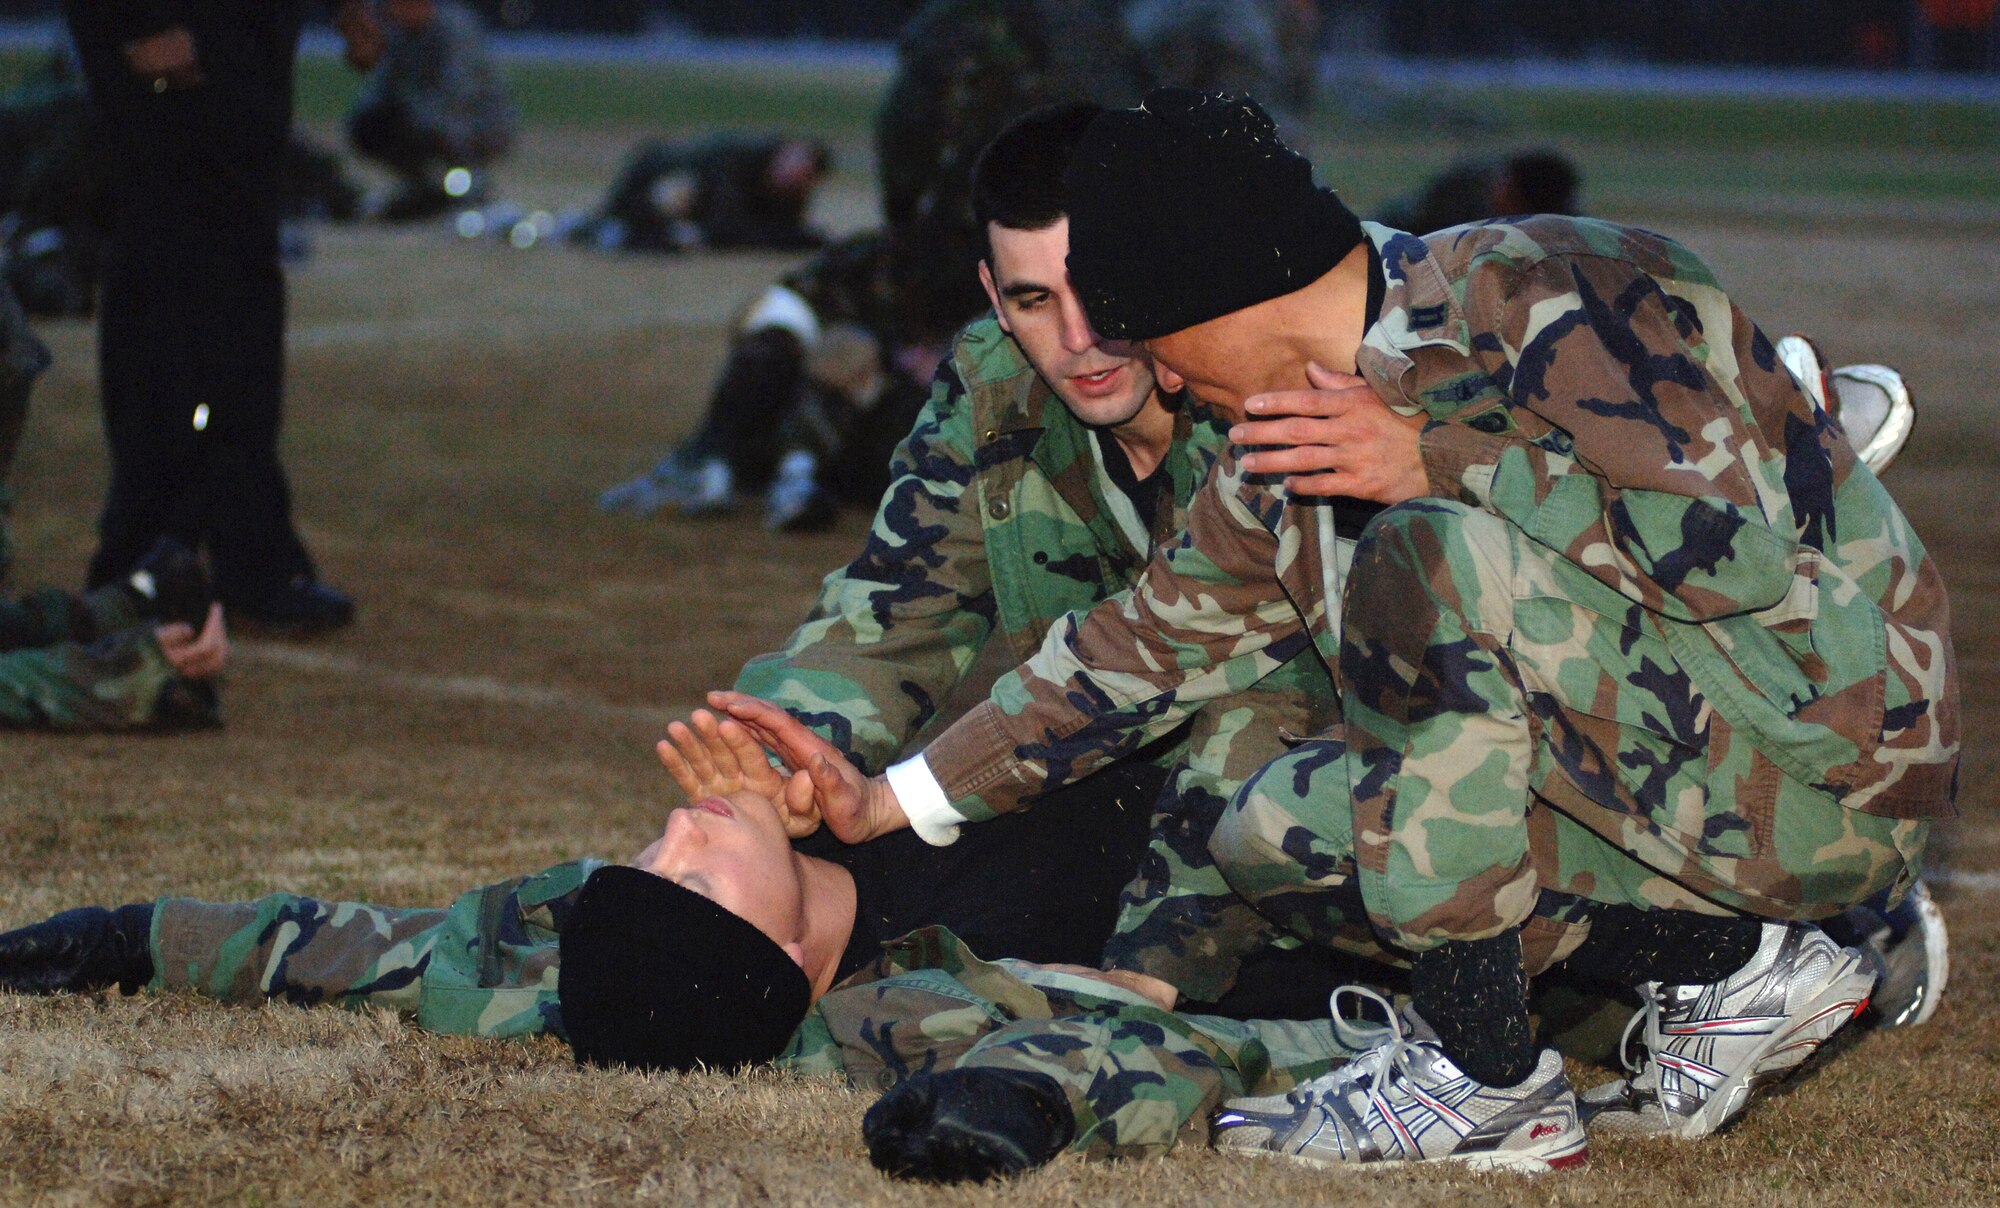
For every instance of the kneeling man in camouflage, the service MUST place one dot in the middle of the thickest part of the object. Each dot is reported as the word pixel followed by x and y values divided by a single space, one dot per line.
pixel 1639 665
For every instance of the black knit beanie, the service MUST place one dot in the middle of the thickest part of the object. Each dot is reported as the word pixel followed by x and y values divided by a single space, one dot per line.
pixel 1188 208
pixel 658 977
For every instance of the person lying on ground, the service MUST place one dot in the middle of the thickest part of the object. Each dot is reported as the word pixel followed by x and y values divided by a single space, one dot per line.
pixel 1540 181
pixel 723 192
pixel 723 943
pixel 1582 647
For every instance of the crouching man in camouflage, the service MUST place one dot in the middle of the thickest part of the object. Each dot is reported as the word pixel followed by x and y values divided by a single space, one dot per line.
pixel 1633 633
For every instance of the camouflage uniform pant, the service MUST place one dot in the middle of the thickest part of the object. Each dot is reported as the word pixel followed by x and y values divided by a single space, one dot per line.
pixel 484 966
pixel 1180 919
pixel 1465 652
pixel 1286 847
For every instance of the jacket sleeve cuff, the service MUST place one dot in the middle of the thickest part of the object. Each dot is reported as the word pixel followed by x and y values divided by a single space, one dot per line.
pixel 1460 461
pixel 924 802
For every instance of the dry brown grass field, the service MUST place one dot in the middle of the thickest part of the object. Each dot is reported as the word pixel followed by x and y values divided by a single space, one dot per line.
pixel 453 410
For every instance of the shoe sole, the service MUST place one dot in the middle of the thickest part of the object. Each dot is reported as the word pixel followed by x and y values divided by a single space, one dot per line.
pixel 248 626
pixel 1844 996
pixel 1937 965
pixel 1565 1157
pixel 1887 441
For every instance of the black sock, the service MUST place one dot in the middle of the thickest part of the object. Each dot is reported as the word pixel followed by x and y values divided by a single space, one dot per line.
pixel 1629 945
pixel 1474 994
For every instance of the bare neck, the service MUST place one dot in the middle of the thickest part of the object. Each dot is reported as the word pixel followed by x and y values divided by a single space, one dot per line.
pixel 1146 437
pixel 1335 313
pixel 830 906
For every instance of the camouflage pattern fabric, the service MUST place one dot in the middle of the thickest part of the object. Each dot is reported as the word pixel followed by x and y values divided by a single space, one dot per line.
pixel 67 662
pixel 1138 1079
pixel 1266 49
pixel 997 523
pixel 1743 664
pixel 119 682
pixel 964 69
pixel 485 966
pixel 445 82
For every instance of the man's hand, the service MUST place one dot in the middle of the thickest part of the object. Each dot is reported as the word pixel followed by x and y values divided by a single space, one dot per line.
pixel 1161 994
pixel 362 31
pixel 856 807
pixel 1341 439
pixel 194 655
pixel 714 758
pixel 166 58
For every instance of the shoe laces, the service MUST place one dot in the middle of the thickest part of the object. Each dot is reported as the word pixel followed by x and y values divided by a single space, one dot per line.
pixel 1649 1015
pixel 1384 1047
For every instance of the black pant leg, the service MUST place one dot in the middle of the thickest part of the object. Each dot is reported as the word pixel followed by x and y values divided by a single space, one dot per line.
pixel 191 330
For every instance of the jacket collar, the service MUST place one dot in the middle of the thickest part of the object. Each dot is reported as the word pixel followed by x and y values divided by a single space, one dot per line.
pixel 1419 308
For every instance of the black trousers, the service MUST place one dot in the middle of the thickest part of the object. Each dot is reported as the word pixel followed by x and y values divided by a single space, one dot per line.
pixel 192 318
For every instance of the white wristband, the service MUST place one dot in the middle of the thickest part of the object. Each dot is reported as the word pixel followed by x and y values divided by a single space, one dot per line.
pixel 924 802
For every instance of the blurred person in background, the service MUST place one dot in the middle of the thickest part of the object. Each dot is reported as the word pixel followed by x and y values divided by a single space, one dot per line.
pixel 724 191
pixel 51 192
pixel 139 654
pixel 964 69
pixel 434 109
pixel 1268 49
pixel 53 206
pixel 1539 181
pixel 193 100
pixel 1956 35
pixel 825 373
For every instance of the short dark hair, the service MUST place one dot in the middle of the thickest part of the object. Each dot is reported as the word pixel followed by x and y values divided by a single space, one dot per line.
pixel 1017 181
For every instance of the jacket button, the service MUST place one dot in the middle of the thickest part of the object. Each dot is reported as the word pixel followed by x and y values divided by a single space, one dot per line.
pixel 1041 557
pixel 998 509
pixel 988 437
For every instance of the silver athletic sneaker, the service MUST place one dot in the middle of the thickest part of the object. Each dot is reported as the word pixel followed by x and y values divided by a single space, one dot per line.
pixel 697 488
pixel 1871 402
pixel 1710 1047
pixel 1912 953
pixel 1874 406
pixel 1403 1101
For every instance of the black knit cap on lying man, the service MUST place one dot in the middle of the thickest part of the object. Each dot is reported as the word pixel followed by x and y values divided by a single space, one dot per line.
pixel 1222 217
pixel 660 978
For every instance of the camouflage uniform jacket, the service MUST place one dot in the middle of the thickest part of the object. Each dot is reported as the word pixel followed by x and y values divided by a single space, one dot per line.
pixel 1593 387
pixel 1137 1078
pixel 447 82
pixel 999 516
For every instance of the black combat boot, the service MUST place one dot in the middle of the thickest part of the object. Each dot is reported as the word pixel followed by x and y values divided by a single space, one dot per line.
pixel 967 1125
pixel 79 951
